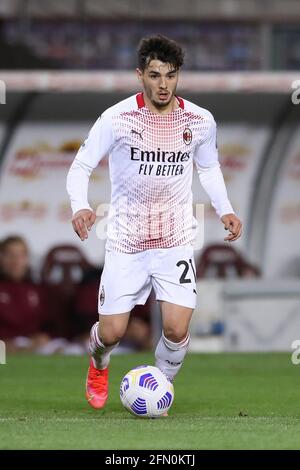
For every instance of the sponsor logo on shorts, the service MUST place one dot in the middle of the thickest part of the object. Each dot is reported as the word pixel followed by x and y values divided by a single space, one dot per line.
pixel 102 296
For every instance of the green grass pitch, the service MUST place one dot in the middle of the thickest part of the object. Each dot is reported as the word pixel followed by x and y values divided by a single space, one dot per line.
pixel 226 401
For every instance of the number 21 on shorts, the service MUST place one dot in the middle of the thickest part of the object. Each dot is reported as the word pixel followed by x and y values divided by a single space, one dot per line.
pixel 186 267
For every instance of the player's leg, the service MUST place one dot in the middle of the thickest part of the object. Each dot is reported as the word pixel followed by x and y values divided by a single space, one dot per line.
pixel 104 337
pixel 125 282
pixel 173 344
pixel 174 282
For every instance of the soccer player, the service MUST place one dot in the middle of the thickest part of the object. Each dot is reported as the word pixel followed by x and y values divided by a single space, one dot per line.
pixel 152 139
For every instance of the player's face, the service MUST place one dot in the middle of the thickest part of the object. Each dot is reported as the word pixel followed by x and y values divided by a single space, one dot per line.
pixel 159 81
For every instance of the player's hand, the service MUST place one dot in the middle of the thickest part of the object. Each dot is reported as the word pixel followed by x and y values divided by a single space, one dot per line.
pixel 234 225
pixel 82 222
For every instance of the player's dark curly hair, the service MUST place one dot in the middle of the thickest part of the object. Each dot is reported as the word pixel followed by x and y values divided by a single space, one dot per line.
pixel 161 48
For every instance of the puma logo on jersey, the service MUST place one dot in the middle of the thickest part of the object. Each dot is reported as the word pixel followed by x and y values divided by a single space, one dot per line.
pixel 140 134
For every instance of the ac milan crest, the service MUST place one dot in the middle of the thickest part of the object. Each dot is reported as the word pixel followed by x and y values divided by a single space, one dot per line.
pixel 187 136
pixel 102 296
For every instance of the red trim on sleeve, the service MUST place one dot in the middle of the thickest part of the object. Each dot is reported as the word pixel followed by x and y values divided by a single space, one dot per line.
pixel 140 100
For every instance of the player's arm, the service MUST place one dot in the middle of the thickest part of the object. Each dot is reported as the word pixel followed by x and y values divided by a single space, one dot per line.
pixel 98 144
pixel 212 181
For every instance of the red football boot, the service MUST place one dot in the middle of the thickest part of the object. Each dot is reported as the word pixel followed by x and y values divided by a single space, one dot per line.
pixel 97 386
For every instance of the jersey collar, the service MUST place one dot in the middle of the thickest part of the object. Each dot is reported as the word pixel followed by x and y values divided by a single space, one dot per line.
pixel 141 102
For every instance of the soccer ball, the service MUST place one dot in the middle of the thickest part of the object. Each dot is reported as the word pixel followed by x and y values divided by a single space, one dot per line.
pixel 146 392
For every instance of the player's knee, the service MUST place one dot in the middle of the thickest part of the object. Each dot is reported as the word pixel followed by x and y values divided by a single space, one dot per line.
pixel 175 333
pixel 112 335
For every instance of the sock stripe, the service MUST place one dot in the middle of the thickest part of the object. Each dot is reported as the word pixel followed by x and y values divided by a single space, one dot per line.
pixel 95 337
pixel 176 346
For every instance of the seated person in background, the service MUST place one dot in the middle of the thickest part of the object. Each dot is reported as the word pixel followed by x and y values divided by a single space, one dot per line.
pixel 23 304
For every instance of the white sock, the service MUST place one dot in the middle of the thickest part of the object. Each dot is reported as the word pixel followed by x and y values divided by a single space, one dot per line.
pixel 169 356
pixel 100 353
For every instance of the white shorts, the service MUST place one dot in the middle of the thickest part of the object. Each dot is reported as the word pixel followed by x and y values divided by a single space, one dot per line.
pixel 127 278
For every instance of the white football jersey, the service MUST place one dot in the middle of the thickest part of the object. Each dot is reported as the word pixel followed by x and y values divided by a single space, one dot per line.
pixel 151 168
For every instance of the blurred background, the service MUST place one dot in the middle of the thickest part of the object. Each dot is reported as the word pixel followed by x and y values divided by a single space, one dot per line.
pixel 61 65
